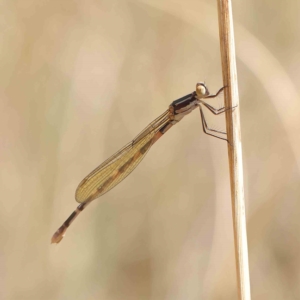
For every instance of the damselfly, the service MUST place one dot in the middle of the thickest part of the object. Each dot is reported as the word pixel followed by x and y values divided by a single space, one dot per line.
pixel 121 164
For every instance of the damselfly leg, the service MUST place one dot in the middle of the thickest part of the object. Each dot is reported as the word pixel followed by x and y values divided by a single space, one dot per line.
pixel 207 130
pixel 215 111
pixel 217 94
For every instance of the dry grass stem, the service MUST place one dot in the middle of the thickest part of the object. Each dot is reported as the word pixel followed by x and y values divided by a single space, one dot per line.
pixel 234 146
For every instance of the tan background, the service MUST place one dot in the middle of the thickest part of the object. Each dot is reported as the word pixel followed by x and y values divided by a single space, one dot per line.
pixel 79 79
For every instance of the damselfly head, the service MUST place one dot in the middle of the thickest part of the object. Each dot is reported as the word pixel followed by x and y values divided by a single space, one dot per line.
pixel 201 90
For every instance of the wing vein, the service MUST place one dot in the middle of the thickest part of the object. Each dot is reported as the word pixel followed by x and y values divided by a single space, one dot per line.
pixel 117 167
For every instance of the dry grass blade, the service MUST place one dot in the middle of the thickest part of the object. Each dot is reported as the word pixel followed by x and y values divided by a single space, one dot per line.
pixel 235 147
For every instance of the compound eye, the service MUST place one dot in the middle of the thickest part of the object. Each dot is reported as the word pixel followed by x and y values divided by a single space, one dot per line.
pixel 200 90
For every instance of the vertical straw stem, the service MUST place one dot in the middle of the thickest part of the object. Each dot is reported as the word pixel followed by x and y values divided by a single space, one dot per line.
pixel 234 146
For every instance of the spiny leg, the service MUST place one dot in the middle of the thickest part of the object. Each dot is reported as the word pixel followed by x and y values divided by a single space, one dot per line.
pixel 216 111
pixel 217 94
pixel 206 128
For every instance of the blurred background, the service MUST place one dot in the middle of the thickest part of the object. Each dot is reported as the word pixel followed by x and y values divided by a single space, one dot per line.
pixel 79 79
